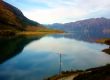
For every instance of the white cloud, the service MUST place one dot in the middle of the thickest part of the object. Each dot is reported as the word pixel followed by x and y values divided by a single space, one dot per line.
pixel 54 15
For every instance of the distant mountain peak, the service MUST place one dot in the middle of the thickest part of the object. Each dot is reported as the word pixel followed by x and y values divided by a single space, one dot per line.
pixel 93 24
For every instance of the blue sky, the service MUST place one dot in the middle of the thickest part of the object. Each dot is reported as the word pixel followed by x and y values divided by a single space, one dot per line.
pixel 62 11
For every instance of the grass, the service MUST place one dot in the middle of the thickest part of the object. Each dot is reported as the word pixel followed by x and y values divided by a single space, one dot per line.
pixel 102 40
pixel 107 42
pixel 39 32
pixel 29 33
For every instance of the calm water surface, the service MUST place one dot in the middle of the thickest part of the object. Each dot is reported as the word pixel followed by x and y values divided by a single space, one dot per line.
pixel 39 58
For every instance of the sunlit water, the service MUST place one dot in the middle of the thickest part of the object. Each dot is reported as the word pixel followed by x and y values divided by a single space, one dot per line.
pixel 41 58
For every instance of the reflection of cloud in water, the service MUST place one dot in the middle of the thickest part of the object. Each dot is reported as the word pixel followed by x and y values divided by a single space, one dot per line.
pixel 39 59
pixel 63 45
pixel 82 52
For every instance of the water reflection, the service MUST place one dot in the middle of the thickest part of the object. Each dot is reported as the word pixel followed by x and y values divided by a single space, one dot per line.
pixel 40 58
pixel 85 36
pixel 81 52
pixel 10 47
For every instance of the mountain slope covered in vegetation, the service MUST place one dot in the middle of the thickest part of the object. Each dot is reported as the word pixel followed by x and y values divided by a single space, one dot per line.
pixel 11 18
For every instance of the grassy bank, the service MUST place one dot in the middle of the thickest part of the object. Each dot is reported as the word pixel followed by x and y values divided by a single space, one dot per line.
pixel 103 41
pixel 107 42
pixel 6 33
pixel 29 33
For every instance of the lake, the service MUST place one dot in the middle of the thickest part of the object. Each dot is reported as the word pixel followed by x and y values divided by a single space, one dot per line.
pixel 36 58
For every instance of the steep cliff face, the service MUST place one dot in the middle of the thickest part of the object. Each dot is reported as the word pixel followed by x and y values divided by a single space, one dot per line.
pixel 11 18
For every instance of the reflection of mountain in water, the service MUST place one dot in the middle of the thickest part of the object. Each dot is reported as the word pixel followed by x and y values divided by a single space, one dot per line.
pixel 13 46
pixel 85 36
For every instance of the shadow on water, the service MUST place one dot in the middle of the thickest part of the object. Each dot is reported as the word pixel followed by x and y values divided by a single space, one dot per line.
pixel 10 47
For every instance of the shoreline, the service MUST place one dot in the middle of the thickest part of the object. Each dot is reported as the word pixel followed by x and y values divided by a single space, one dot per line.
pixel 98 73
pixel 26 33
pixel 8 33
pixel 107 42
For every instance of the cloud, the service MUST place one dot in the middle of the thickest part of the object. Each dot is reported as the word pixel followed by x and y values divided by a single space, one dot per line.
pixel 62 11
pixel 54 15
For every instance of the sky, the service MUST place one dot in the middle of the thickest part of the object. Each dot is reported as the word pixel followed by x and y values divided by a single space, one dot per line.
pixel 62 11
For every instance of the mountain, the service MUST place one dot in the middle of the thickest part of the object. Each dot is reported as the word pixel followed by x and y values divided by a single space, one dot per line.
pixel 88 25
pixel 11 18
